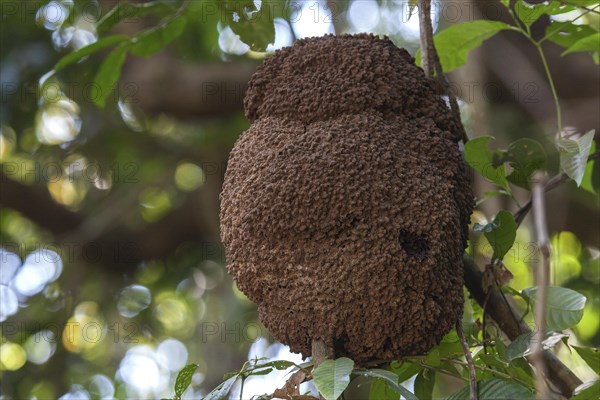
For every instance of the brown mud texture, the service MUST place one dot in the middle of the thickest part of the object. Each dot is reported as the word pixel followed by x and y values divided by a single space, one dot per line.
pixel 345 205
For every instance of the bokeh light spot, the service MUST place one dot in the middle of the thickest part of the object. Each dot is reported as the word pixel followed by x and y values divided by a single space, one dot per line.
pixel 12 356
pixel 189 177
pixel 133 300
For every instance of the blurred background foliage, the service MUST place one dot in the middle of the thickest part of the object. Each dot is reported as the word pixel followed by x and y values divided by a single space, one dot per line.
pixel 112 275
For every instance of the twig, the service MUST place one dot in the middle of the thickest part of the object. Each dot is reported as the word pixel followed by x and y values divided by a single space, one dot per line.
pixel 470 364
pixel 426 36
pixel 430 61
pixel 541 280
pixel 489 370
pixel 321 351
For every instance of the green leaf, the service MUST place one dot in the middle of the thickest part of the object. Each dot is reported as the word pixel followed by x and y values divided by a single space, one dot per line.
pixel 333 376
pixel 588 43
pixel 525 156
pixel 184 378
pixel 380 390
pixel 528 13
pixel 424 384
pixel 155 39
pixel 89 49
pixel 591 176
pixel 433 357
pixel 260 371
pixel 501 233
pixel 255 26
pixel 587 391
pixel 591 356
pixel 108 74
pixel 125 10
pixel 221 392
pixel 455 42
pixel 564 307
pixel 391 379
pixel 495 389
pixel 566 34
pixel 405 370
pixel 580 3
pixel 574 155
pixel 277 364
pixel 486 161
pixel 518 347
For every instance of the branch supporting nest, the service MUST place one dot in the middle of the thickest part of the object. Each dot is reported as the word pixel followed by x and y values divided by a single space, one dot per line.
pixel 430 62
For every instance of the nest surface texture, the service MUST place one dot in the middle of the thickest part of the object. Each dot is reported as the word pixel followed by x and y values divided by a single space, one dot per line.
pixel 345 205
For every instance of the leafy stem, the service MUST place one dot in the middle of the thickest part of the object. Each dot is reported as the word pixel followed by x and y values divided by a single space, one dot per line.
pixel 491 371
pixel 538 46
pixel 525 30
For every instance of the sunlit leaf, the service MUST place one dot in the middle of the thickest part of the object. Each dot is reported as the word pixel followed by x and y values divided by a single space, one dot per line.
pixel 525 156
pixel 333 376
pixel 591 356
pixel 486 161
pixel 495 389
pixel 125 10
pixel 587 391
pixel 566 34
pixel 529 13
pixel 157 38
pixel 89 49
pixel 574 155
pixel 455 42
pixel 255 26
pixel 184 378
pixel 588 43
pixel 564 307
pixel 500 233
pixel 591 176
pixel 108 74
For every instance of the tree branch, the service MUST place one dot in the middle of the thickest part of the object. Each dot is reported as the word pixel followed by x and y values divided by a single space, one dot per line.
pixel 509 321
pixel 541 281
pixel 470 364
pixel 426 36
pixel 430 62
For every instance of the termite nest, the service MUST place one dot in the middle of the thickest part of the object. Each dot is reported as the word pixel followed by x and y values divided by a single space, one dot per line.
pixel 345 205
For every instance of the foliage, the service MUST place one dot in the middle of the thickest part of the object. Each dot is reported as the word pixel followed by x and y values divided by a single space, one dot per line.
pixel 501 368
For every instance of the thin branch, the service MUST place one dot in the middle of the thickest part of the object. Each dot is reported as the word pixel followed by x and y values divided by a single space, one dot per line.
pixel 541 280
pixel 470 364
pixel 430 61
pixel 485 369
pixel 321 351
pixel 426 36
